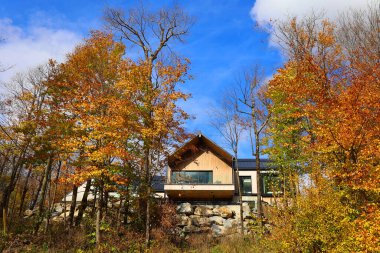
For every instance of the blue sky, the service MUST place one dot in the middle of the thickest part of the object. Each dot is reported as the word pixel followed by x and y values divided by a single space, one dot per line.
pixel 224 41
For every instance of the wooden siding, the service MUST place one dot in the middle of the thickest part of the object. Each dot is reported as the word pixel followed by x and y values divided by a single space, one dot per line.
pixel 207 161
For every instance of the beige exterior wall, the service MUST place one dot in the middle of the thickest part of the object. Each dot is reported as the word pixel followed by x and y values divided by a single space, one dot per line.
pixel 208 161
pixel 253 175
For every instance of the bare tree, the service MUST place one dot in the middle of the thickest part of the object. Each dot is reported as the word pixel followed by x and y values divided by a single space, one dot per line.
pixel 152 32
pixel 358 32
pixel 252 105
pixel 228 123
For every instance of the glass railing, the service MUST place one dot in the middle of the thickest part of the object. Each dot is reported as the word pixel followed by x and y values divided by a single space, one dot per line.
pixel 191 177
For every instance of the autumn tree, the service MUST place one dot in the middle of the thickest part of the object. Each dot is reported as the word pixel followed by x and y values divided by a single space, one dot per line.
pixel 159 117
pixel 27 128
pixel 98 115
pixel 324 114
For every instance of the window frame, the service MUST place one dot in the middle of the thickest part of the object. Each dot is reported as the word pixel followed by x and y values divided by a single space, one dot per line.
pixel 211 178
pixel 241 185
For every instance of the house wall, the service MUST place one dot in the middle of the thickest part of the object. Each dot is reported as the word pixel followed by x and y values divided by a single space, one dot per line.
pixel 248 198
pixel 253 175
pixel 207 160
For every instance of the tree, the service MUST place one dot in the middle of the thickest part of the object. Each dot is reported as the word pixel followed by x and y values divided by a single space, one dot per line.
pixel 323 106
pixel 27 130
pixel 161 119
pixel 228 123
pixel 98 115
pixel 252 105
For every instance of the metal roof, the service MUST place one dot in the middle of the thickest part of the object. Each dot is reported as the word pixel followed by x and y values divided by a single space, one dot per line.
pixel 250 164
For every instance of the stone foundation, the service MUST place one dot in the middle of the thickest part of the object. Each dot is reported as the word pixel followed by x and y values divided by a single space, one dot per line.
pixel 215 219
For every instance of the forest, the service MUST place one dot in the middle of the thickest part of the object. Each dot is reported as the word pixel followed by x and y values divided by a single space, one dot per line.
pixel 108 117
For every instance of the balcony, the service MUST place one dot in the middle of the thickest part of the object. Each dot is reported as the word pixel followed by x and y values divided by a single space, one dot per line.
pixel 197 185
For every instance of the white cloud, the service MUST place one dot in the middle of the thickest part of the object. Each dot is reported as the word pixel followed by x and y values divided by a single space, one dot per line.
pixel 265 10
pixel 25 48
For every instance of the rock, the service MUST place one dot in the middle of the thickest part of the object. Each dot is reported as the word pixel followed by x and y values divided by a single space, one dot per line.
pixel 191 229
pixel 116 204
pixel 203 211
pixel 230 223
pixel 68 214
pixel 205 229
pixel 217 230
pixel 54 214
pixel 215 211
pixel 57 219
pixel 225 212
pixel 246 208
pixel 199 221
pixel 63 214
pixel 58 207
pixel 247 215
pixel 185 208
pixel 216 220
pixel 184 221
pixel 28 212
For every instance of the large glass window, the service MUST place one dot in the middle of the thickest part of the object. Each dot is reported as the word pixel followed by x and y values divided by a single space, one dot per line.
pixel 245 184
pixel 270 183
pixel 192 177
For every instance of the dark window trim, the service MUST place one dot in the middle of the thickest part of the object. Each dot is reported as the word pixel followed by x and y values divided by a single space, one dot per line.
pixel 184 171
pixel 241 186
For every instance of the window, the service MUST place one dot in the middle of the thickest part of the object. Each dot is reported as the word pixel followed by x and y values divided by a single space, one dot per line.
pixel 245 184
pixel 270 183
pixel 192 177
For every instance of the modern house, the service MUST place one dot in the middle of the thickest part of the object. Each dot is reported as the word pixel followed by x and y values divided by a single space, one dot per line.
pixel 201 170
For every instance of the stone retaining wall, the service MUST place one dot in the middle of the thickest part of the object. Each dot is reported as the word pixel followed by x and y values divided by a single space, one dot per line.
pixel 215 219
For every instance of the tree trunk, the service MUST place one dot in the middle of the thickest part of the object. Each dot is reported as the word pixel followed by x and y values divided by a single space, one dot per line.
pixel 64 205
pixel 240 196
pixel 24 191
pixel 126 209
pixel 118 221
pixel 147 221
pixel 13 209
pixel 35 199
pixel 83 204
pixel 105 204
pixel 73 205
pixel 148 191
pixel 56 185
pixel 43 193
pixel 48 209
pixel 98 215
pixel 7 193
pixel 4 221
pixel 258 179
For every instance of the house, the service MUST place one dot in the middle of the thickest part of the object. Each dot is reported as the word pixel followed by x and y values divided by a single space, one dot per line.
pixel 202 171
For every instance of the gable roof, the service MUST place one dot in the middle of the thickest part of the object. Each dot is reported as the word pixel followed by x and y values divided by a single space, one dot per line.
pixel 193 146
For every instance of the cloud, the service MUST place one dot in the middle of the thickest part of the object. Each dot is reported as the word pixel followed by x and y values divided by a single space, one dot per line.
pixel 265 10
pixel 26 47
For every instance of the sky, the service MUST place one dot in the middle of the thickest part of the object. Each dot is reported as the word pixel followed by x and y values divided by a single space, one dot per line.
pixel 227 38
